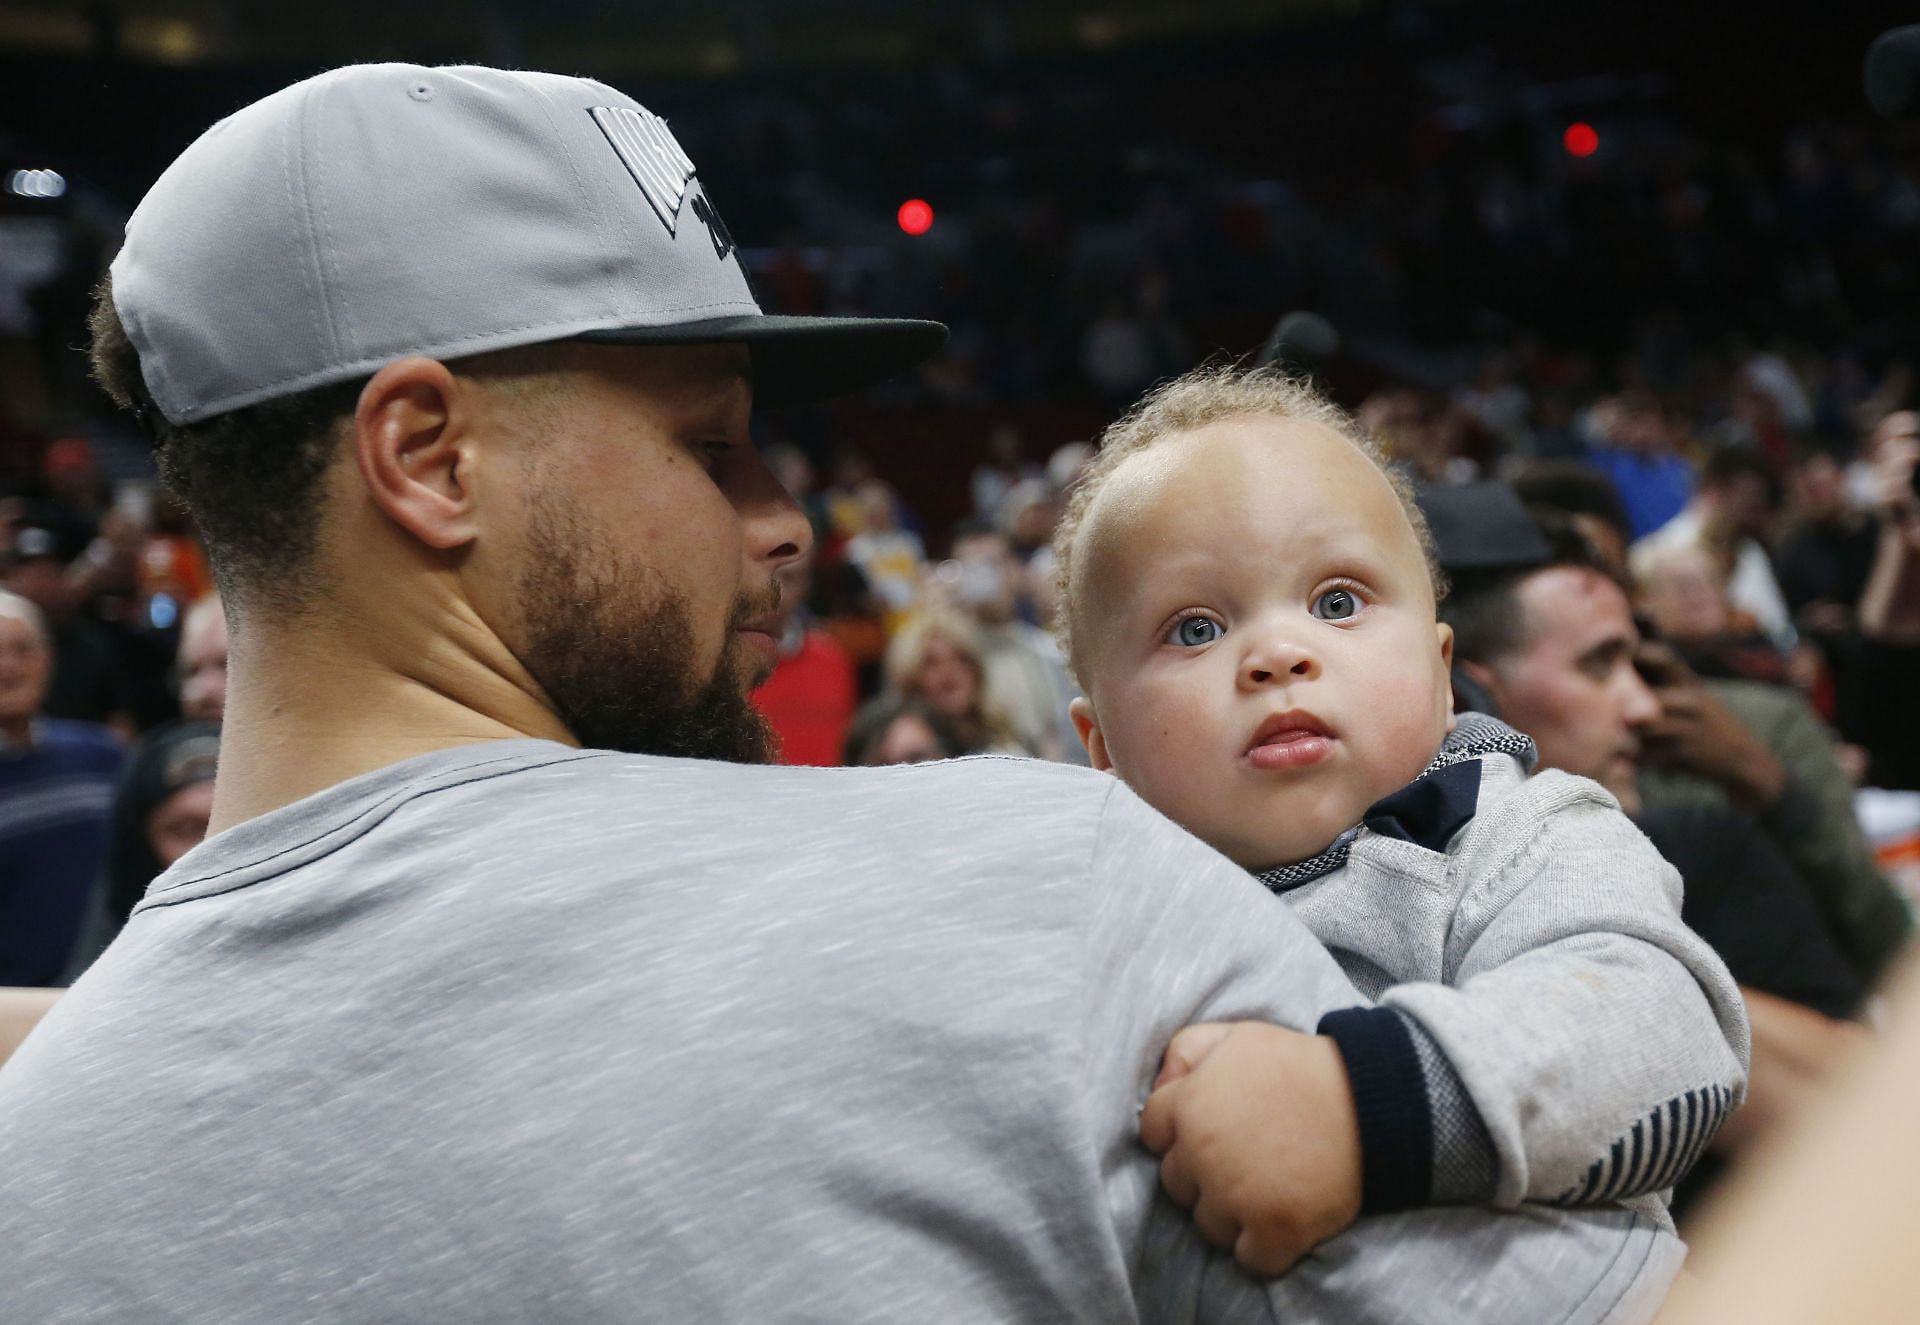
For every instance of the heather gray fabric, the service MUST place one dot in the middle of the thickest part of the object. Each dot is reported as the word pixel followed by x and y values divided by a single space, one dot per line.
pixel 1544 954
pixel 384 210
pixel 518 1032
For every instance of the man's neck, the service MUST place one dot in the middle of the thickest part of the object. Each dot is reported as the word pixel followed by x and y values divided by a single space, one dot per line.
pixel 304 715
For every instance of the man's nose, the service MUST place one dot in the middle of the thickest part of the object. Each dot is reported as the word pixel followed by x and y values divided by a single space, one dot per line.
pixel 1639 705
pixel 777 529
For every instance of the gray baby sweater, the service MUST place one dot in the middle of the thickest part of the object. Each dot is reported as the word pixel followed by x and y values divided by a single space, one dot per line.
pixel 1524 942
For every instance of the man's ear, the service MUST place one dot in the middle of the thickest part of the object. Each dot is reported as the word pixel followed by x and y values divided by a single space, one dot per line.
pixel 413 439
pixel 1445 634
pixel 1087 723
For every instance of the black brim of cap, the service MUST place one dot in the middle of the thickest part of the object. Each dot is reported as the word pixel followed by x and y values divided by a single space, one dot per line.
pixel 801 360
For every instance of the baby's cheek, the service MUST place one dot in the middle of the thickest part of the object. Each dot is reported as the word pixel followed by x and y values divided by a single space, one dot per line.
pixel 1414 727
pixel 1153 753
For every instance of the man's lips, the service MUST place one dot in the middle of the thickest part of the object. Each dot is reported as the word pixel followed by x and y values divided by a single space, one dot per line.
pixel 761 638
pixel 1294 739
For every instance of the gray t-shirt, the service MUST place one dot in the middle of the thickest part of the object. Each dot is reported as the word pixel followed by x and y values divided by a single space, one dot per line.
pixel 517 1032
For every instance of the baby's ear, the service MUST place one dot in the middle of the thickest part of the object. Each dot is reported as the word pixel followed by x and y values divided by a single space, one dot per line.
pixel 1087 723
pixel 1445 633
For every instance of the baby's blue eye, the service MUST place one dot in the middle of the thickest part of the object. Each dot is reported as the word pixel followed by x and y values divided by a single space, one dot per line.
pixel 1195 631
pixel 1336 605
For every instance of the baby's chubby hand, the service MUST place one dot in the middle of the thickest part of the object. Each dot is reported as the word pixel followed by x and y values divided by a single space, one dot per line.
pixel 1257 1135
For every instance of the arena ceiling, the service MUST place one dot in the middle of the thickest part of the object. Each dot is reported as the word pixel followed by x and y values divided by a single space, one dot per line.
pixel 654 37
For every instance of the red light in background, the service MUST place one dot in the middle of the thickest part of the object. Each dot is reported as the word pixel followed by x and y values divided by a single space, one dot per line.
pixel 1581 140
pixel 915 216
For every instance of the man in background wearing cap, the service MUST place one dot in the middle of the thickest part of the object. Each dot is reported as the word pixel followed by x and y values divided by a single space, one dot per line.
pixel 1545 637
pixel 460 1015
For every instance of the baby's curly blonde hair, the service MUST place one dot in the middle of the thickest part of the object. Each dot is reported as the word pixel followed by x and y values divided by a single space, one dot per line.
pixel 1208 394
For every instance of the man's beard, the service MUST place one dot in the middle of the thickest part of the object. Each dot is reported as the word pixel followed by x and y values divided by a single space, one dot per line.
pixel 613 651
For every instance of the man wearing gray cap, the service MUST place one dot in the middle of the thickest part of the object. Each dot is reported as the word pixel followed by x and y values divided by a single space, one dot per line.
pixel 482 1005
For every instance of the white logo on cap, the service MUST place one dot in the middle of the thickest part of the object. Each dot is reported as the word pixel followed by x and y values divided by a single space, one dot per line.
pixel 653 156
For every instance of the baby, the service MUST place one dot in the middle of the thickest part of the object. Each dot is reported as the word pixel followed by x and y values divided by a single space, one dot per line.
pixel 1248 601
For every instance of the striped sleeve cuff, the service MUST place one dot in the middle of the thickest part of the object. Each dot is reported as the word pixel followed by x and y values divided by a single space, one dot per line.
pixel 1390 1100
pixel 1465 1167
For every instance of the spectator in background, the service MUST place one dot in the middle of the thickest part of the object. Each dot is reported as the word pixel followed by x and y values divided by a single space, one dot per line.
pixel 894 729
pixel 87 684
pixel 1684 594
pixel 1631 441
pixel 161 804
pixel 1004 467
pixel 937 657
pixel 1729 516
pixel 1028 516
pixel 1025 674
pixel 201 668
pixel 890 557
pixel 1827 553
pixel 811 695
pixel 1498 403
pixel 56 784
pixel 76 495
pixel 1883 709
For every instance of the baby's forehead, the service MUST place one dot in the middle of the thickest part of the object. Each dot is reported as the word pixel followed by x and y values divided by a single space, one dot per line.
pixel 1204 485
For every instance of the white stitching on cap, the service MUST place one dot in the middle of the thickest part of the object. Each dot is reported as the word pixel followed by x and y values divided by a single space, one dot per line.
pixel 296 209
pixel 573 168
pixel 331 275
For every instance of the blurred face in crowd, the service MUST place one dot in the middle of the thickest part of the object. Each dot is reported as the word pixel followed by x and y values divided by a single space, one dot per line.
pixel 1684 594
pixel 202 662
pixel 907 740
pixel 1745 505
pixel 1820 489
pixel 1571 684
pixel 26 665
pixel 948 679
pixel 177 824
pixel 643 593
pixel 989 577
pixel 1260 651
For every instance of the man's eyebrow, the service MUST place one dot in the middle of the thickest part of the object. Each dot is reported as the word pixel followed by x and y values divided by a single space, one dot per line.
pixel 1607 650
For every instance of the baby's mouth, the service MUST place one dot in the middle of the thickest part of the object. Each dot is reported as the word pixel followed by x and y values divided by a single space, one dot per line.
pixel 1294 739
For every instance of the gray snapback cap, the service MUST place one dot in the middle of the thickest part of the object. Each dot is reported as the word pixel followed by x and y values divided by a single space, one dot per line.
pixel 386 210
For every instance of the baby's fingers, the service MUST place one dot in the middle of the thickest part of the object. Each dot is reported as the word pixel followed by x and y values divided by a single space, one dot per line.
pixel 1263 1253
pixel 1188 1048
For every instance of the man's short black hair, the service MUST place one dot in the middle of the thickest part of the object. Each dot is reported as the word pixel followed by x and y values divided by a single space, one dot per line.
pixel 251 477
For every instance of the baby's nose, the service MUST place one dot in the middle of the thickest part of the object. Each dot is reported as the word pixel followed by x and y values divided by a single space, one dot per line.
pixel 1277 660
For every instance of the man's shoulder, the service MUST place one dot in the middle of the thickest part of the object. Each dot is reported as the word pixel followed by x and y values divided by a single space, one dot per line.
pixel 985 777
pixel 1762 705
